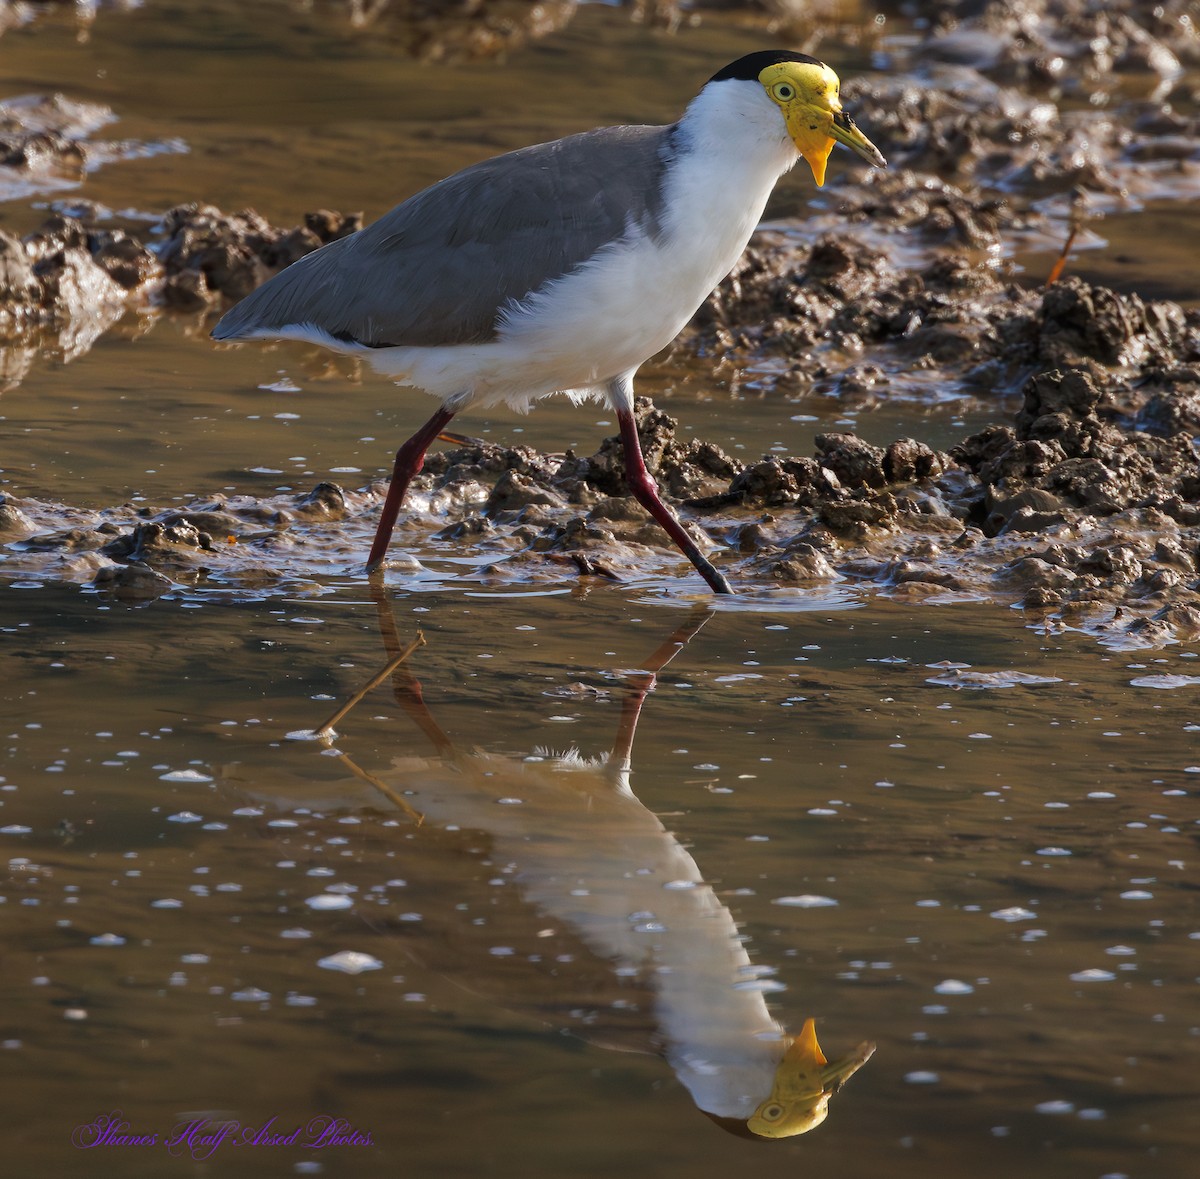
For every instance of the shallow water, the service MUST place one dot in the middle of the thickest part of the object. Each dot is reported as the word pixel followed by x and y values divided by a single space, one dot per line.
pixel 992 883
pixel 940 830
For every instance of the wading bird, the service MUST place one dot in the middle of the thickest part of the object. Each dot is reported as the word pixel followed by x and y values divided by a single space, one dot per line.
pixel 561 268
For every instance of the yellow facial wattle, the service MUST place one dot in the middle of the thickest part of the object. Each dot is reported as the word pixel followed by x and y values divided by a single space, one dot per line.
pixel 808 96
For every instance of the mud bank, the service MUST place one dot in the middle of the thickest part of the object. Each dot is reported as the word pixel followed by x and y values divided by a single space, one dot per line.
pixel 1076 511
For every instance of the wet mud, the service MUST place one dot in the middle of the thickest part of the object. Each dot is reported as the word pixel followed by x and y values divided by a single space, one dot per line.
pixel 1012 125
pixel 428 30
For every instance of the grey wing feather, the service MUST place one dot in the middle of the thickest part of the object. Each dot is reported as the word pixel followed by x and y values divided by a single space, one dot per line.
pixel 438 268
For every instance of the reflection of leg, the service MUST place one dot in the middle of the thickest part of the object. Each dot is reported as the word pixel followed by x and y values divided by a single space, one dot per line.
pixel 642 683
pixel 679 638
pixel 406 688
pixel 645 491
pixel 409 460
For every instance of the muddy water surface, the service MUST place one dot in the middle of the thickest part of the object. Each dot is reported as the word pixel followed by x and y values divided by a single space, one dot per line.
pixel 984 869
pixel 461 925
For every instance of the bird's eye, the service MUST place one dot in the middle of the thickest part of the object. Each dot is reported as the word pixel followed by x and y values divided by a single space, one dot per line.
pixel 783 91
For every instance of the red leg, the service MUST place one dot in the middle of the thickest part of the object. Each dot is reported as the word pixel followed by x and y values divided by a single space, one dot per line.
pixel 645 491
pixel 410 458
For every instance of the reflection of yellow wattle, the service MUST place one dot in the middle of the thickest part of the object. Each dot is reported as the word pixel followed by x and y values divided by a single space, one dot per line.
pixel 798 1100
pixel 804 1083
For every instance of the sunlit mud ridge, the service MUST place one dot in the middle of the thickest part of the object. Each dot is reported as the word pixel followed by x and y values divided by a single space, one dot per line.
pixel 65 284
pixel 48 144
pixel 1071 43
pixel 1074 511
pixel 950 323
pixel 429 30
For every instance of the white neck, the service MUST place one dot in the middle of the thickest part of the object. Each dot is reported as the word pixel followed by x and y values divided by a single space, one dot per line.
pixel 731 147
pixel 735 124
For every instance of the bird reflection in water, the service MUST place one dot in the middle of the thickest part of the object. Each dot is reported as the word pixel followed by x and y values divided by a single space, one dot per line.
pixel 586 852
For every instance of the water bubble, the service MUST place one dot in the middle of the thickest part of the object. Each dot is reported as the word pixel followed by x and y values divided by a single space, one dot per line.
pixel 350 962
pixel 189 776
pixel 329 901
pixel 1014 913
pixel 954 986
pixel 310 735
pixel 1055 1107
pixel 1166 682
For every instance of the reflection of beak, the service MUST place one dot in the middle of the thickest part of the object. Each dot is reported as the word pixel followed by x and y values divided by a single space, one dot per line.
pixel 835 1073
pixel 804 1055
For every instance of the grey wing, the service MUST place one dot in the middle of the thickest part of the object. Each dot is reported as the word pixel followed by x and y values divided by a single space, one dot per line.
pixel 438 268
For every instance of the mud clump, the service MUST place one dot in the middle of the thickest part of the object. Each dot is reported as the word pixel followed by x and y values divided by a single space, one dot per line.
pixel 207 254
pixel 1063 454
pixel 808 306
pixel 64 274
pixel 684 469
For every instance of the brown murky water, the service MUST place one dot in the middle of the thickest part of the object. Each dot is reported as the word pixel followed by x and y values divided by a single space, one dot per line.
pixel 994 883
pixel 466 926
